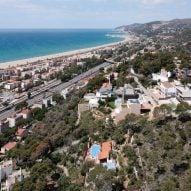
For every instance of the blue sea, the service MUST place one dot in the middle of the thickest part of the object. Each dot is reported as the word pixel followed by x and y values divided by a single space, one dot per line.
pixel 24 43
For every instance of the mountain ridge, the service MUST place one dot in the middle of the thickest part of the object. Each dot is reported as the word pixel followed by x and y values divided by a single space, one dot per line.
pixel 155 26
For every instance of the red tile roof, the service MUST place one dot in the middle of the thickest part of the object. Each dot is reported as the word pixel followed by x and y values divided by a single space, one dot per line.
pixel 25 111
pixel 105 149
pixel 20 132
pixel 10 145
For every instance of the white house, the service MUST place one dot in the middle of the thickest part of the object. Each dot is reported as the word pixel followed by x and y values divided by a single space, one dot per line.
pixel 16 176
pixel 14 119
pixel 64 93
pixel 7 147
pixel 167 89
pixel 47 102
pixel 26 113
pixel 6 168
pixel 162 76
pixel 9 86
pixel 183 93
pixel 93 103
pixel 89 96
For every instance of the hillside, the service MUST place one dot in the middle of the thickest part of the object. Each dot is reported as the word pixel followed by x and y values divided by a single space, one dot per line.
pixel 157 27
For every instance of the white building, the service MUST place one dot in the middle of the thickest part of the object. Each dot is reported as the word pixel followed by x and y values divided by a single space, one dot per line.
pixel 9 86
pixel 167 90
pixel 16 176
pixel 6 168
pixel 64 93
pixel 93 103
pixel 26 113
pixel 183 93
pixel 162 76
pixel 47 102
pixel 89 96
pixel 14 119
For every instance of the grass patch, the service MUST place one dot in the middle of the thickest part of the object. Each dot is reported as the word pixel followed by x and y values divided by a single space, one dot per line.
pixel 111 104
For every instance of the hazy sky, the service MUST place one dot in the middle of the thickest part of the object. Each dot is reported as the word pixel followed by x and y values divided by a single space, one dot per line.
pixel 88 13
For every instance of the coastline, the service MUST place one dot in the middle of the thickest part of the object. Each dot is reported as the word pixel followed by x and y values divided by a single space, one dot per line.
pixel 23 62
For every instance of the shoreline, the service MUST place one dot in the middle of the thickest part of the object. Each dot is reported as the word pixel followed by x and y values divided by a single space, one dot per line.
pixel 23 62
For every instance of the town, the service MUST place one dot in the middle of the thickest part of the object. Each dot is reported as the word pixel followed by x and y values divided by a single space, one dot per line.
pixel 86 116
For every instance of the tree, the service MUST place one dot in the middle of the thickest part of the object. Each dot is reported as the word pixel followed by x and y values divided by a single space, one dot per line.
pixel 58 98
pixel 21 105
pixel 38 113
pixel 101 178
pixel 29 95
pixel 182 107
pixel 96 82
pixel 162 110
pixel 168 184
pixel 86 167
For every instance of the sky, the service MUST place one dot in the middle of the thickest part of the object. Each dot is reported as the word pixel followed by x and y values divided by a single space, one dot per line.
pixel 88 13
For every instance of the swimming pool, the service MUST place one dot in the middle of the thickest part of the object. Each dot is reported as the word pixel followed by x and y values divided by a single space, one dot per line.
pixel 110 165
pixel 95 150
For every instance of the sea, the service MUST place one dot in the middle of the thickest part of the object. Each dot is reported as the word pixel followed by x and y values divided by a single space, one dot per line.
pixel 18 44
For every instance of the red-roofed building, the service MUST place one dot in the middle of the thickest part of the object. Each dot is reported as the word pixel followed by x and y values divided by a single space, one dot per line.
pixel 105 150
pixel 8 147
pixel 21 133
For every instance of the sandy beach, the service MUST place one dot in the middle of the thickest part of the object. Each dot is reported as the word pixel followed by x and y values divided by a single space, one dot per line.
pixel 23 62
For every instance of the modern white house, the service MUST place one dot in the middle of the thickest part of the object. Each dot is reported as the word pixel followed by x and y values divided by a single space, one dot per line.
pixel 14 119
pixel 16 176
pixel 9 86
pixel 64 93
pixel 167 90
pixel 6 168
pixel 162 76
pixel 93 103
pixel 89 96
pixel 183 93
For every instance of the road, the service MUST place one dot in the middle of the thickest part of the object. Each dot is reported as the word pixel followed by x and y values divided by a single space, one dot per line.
pixel 57 86
pixel 146 92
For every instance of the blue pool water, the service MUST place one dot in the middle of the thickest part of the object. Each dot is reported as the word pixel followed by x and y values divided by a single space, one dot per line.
pixel 95 150
pixel 17 44
pixel 110 165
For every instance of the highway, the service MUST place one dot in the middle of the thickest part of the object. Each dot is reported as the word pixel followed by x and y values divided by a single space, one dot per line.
pixel 56 86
